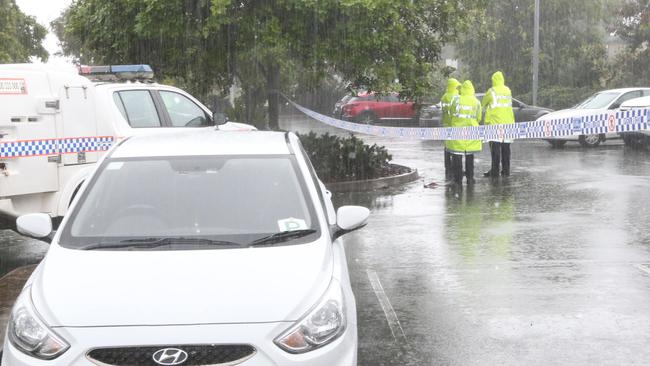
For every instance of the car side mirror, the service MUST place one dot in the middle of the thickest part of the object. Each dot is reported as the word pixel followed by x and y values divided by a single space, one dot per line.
pixel 219 118
pixel 35 225
pixel 350 218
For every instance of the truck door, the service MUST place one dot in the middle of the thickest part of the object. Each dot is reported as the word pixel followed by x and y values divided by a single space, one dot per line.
pixel 79 140
pixel 28 152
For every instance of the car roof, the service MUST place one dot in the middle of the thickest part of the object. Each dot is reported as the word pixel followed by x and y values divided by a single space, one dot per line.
pixel 642 102
pixel 203 141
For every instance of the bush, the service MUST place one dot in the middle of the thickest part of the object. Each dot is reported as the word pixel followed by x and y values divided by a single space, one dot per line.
pixel 338 159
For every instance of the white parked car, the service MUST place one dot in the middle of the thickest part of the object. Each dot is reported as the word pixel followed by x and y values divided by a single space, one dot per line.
pixel 197 248
pixel 601 101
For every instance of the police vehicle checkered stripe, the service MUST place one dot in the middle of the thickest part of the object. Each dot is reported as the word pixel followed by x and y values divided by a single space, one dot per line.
pixel 19 149
pixel 589 123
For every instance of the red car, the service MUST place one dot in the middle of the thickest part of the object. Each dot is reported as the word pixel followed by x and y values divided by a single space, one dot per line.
pixel 370 108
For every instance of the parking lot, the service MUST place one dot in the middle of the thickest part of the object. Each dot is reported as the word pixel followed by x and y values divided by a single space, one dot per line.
pixel 548 266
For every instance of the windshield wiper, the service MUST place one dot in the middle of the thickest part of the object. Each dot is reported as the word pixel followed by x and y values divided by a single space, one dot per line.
pixel 281 237
pixel 148 243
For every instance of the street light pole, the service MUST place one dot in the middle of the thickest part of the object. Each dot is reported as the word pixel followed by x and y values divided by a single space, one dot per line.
pixel 536 53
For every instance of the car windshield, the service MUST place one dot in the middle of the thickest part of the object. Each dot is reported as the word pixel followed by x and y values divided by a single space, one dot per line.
pixel 222 198
pixel 597 101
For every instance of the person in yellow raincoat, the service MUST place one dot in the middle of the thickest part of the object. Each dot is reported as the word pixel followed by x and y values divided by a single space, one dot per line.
pixel 497 103
pixel 445 105
pixel 466 112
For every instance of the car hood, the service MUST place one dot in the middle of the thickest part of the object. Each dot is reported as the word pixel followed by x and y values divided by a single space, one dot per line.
pixel 122 288
pixel 569 113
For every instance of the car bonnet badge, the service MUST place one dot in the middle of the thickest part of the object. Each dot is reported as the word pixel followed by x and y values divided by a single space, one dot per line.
pixel 170 356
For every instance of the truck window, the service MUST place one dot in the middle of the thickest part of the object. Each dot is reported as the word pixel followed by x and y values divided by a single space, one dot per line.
pixel 138 108
pixel 182 111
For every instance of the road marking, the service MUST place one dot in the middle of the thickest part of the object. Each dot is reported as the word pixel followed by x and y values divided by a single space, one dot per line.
pixel 389 312
pixel 643 268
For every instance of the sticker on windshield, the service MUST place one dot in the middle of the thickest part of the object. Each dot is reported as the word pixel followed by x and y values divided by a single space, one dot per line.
pixel 13 86
pixel 292 224
pixel 115 165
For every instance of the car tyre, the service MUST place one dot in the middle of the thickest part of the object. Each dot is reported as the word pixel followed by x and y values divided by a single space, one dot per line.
pixel 557 143
pixel 591 140
pixel 367 118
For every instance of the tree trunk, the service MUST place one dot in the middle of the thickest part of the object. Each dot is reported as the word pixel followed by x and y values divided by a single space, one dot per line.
pixel 273 91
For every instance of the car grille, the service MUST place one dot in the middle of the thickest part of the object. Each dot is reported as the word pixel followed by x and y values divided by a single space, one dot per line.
pixel 206 355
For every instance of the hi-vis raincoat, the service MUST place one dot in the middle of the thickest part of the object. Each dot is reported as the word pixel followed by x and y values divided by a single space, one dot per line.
pixel 497 103
pixel 447 98
pixel 466 112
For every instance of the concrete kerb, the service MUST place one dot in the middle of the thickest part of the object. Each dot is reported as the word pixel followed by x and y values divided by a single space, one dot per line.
pixel 374 184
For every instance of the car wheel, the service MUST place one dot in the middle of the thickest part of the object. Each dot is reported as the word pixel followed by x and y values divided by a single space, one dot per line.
pixel 367 118
pixel 557 143
pixel 591 140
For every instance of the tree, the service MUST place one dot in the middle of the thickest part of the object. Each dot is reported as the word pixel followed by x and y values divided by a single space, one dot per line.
pixel 631 23
pixel 269 46
pixel 572 51
pixel 21 36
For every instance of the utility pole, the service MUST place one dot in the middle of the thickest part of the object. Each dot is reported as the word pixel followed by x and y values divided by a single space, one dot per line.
pixel 536 53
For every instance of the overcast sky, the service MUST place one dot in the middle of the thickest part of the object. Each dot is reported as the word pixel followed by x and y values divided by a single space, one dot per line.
pixel 45 11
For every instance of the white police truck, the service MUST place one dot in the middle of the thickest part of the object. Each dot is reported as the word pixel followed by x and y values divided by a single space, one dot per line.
pixel 55 125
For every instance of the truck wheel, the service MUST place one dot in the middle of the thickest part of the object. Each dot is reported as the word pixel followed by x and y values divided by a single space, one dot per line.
pixel 557 143
pixel 591 140
pixel 367 118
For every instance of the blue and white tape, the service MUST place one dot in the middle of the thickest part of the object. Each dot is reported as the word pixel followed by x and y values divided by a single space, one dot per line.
pixel 42 147
pixel 589 123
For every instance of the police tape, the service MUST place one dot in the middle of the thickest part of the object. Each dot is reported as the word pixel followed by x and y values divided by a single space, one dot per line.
pixel 587 124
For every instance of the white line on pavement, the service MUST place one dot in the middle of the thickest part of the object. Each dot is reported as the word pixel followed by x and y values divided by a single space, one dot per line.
pixel 391 317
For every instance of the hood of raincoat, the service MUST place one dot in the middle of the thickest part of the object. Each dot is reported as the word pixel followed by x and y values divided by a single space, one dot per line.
pixel 452 86
pixel 467 88
pixel 498 79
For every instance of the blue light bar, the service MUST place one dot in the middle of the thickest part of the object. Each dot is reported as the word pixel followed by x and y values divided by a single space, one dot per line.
pixel 119 72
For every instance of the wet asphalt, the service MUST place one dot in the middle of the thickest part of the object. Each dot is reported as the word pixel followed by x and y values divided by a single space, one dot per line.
pixel 550 266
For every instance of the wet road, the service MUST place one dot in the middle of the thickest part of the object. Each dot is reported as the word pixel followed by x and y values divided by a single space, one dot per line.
pixel 548 266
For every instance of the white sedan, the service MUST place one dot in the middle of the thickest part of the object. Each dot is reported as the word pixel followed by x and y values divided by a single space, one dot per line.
pixel 601 101
pixel 198 248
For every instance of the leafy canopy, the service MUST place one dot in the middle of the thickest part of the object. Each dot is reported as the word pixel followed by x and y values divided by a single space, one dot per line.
pixel 572 51
pixel 270 45
pixel 21 36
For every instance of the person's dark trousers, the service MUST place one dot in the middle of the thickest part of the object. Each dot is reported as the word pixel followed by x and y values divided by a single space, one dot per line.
pixel 495 151
pixel 457 168
pixel 505 159
pixel 469 168
pixel 448 173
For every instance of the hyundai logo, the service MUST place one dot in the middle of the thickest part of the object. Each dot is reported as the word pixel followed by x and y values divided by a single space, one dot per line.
pixel 170 356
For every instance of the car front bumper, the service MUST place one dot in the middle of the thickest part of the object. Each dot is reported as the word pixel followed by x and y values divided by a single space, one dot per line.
pixel 343 351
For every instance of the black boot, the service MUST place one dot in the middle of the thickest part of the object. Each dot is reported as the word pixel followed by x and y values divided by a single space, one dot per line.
pixel 457 168
pixel 469 168
pixel 505 159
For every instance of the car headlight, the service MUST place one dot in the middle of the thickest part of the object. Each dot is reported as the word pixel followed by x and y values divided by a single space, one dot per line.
pixel 29 334
pixel 324 323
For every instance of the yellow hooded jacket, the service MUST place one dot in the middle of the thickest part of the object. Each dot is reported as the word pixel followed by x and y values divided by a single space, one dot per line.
pixel 447 98
pixel 466 112
pixel 497 102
